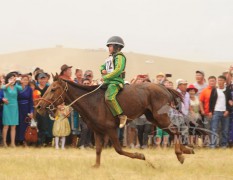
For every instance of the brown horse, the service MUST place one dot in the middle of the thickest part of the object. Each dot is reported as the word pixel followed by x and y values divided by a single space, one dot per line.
pixel 135 100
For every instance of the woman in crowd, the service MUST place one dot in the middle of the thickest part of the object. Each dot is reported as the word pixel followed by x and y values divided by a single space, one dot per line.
pixel 10 107
pixel 25 108
pixel 1 108
pixel 194 110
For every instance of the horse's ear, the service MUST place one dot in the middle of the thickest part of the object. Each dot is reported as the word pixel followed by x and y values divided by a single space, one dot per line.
pixel 53 76
pixel 56 77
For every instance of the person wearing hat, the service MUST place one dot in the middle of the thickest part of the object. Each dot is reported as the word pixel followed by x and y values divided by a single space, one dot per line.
pixel 160 78
pixel 89 75
pixel 194 115
pixel 194 103
pixel 66 72
pixel 113 76
pixel 182 89
pixel 200 83
pixel 44 123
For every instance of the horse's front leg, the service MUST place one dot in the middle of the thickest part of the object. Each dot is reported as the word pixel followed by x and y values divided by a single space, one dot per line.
pixel 116 144
pixel 98 144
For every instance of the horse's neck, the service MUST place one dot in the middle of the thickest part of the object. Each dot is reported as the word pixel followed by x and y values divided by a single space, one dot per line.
pixel 74 93
pixel 81 105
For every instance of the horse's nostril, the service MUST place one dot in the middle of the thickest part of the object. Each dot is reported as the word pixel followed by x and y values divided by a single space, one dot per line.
pixel 39 107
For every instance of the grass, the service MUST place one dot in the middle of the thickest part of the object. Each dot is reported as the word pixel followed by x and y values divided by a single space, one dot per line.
pixel 48 163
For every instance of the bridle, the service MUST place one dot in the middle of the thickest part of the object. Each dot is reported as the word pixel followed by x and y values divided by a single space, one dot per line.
pixel 51 106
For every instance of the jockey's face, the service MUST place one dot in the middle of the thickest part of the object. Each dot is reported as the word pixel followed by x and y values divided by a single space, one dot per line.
pixel 110 49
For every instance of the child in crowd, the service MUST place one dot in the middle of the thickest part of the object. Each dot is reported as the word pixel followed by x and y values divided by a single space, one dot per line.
pixel 61 126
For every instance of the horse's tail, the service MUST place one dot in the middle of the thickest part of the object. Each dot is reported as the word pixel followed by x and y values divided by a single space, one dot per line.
pixel 176 97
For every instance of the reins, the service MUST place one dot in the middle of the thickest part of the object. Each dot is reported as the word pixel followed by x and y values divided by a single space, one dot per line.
pixel 52 107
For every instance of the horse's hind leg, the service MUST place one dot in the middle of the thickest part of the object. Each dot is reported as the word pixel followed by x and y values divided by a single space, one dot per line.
pixel 166 123
pixel 116 144
pixel 178 152
pixel 186 150
pixel 98 144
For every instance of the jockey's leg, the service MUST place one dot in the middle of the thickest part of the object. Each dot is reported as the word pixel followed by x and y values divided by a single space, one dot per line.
pixel 110 98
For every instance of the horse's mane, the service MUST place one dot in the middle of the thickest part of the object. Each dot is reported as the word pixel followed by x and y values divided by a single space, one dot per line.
pixel 175 96
pixel 80 86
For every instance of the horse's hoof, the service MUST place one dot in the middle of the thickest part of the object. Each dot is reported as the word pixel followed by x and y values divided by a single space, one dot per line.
pixel 96 166
pixel 181 159
pixel 143 157
pixel 193 152
pixel 140 156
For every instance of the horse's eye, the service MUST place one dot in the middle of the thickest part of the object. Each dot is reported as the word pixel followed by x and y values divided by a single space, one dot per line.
pixel 53 90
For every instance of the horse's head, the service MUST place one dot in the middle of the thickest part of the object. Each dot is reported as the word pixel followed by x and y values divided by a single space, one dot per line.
pixel 54 96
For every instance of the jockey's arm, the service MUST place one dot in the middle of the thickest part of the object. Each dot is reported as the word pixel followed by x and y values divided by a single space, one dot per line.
pixel 103 67
pixel 119 68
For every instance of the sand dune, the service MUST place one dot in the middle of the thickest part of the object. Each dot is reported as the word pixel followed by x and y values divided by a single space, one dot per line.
pixel 52 58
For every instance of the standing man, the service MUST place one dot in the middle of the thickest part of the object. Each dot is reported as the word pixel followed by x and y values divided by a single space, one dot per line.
pixel 113 75
pixel 204 98
pixel 219 111
pixel 200 83
pixel 66 72
pixel 182 89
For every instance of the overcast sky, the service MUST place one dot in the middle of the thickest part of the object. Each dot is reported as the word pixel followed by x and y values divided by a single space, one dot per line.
pixel 185 29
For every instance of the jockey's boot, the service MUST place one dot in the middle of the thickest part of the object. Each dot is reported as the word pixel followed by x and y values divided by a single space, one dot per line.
pixel 123 119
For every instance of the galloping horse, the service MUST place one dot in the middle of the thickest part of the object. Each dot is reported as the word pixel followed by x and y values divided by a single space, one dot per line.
pixel 135 100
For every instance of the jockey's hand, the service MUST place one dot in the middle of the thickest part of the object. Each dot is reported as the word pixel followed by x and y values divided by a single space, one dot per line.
pixel 102 80
pixel 104 72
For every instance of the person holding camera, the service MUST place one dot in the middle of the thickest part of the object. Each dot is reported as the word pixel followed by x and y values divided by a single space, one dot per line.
pixel 113 76
pixel 10 107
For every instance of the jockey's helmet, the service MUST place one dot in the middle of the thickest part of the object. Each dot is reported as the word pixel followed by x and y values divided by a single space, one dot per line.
pixel 115 40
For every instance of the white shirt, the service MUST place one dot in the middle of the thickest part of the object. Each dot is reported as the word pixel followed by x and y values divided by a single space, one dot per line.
pixel 200 87
pixel 109 64
pixel 221 101
pixel 185 104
